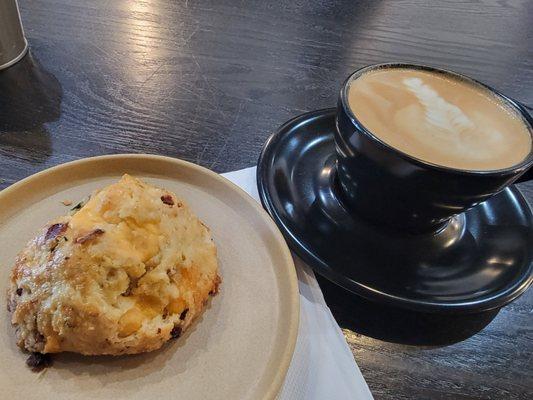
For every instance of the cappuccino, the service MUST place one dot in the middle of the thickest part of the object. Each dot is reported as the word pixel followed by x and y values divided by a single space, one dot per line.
pixel 440 118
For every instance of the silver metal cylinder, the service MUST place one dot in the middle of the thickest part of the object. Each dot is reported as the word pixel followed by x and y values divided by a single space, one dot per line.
pixel 13 44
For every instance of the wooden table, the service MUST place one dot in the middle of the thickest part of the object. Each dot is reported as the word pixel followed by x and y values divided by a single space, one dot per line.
pixel 209 81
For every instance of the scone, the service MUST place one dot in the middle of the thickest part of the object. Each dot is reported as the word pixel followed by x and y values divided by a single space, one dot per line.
pixel 125 273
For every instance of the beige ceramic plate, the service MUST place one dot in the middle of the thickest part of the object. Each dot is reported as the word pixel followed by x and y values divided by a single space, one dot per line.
pixel 239 349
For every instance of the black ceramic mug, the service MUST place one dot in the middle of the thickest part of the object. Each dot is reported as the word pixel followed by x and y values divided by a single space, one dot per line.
pixel 389 187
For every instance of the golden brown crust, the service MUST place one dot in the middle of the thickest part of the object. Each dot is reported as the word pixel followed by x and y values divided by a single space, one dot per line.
pixel 127 272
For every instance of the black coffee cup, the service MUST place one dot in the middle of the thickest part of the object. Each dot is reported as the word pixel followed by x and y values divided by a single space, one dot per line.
pixel 386 186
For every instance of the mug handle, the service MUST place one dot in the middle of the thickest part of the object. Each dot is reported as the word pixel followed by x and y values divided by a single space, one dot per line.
pixel 528 175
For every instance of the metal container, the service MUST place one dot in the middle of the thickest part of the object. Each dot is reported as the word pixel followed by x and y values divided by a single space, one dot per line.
pixel 13 44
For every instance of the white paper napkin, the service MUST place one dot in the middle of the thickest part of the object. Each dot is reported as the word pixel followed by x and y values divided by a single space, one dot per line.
pixel 322 366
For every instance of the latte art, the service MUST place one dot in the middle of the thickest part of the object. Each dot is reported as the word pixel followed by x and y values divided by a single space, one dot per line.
pixel 444 116
pixel 440 119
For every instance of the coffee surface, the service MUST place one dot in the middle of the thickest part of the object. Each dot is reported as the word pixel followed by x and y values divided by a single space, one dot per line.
pixel 439 118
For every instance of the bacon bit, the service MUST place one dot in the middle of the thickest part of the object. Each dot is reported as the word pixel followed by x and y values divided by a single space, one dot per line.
pixel 39 338
pixel 168 200
pixel 90 236
pixel 158 331
pixel 55 230
pixel 67 203
pixel 184 314
pixel 175 332
pixel 38 361
pixel 214 291
pixel 19 291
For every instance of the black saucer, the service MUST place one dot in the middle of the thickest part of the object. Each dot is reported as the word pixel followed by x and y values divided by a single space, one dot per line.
pixel 480 261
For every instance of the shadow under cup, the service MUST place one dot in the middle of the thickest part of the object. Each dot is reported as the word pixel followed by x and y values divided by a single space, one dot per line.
pixel 386 186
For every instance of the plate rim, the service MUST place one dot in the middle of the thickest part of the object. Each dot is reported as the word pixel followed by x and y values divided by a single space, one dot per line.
pixel 294 305
pixel 321 268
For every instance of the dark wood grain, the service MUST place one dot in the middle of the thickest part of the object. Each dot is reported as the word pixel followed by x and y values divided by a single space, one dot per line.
pixel 209 81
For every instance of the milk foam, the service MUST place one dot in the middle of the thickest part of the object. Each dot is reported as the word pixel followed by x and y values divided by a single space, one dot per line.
pixel 440 119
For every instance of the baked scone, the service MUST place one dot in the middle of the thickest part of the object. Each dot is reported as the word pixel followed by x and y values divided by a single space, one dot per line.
pixel 125 273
